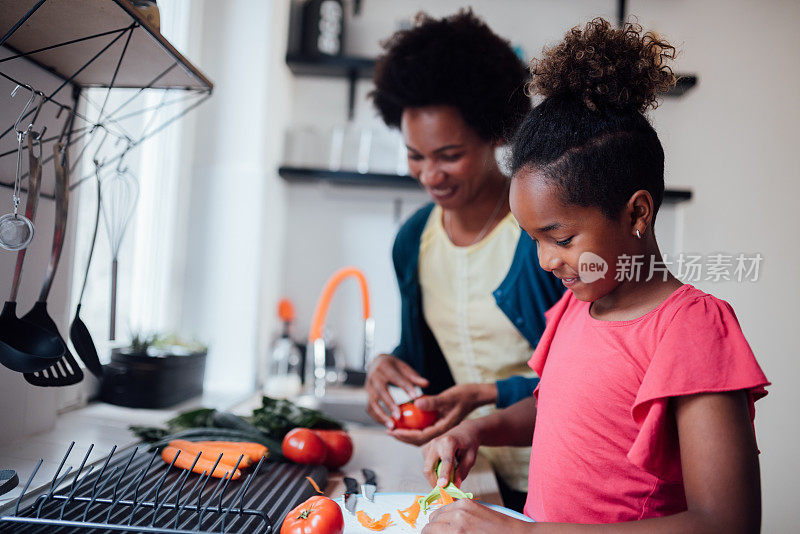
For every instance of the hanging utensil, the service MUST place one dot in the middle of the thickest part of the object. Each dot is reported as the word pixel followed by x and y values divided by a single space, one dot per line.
pixel 16 231
pixel 65 371
pixel 78 332
pixel 25 347
pixel 120 194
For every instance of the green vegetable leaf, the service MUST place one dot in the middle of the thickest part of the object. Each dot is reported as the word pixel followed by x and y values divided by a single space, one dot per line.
pixel 192 419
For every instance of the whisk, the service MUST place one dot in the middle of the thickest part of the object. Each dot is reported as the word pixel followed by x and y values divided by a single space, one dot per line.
pixel 120 194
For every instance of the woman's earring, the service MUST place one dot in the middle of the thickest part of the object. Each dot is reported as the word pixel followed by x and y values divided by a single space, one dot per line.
pixel 638 235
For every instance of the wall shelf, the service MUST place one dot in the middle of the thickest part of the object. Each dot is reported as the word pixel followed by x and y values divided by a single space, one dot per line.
pixel 330 66
pixel 397 181
pixel 60 35
pixel 370 179
pixel 685 83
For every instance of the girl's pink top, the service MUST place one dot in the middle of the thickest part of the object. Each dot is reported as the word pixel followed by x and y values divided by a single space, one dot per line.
pixel 605 447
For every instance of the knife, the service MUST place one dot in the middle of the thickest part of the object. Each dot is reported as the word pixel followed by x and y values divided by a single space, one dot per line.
pixel 350 496
pixel 370 485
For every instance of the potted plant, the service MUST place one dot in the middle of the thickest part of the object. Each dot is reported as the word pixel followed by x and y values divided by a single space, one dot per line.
pixel 154 371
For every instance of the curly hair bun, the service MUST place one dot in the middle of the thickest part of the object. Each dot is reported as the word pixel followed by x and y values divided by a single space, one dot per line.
pixel 604 67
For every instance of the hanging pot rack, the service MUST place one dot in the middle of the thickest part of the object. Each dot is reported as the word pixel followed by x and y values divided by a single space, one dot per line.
pixel 98 44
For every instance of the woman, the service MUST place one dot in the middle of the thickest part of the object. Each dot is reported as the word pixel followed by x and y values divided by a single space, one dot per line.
pixel 456 91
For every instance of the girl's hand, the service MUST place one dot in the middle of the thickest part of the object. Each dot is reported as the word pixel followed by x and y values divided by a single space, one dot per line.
pixel 465 516
pixel 386 369
pixel 459 446
pixel 453 405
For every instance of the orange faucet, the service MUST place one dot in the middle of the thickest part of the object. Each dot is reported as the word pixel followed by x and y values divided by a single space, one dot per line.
pixel 316 344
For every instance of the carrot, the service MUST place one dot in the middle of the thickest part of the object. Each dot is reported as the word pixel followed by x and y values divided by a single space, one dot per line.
pixel 254 450
pixel 446 497
pixel 374 524
pixel 185 461
pixel 229 457
pixel 314 485
pixel 410 514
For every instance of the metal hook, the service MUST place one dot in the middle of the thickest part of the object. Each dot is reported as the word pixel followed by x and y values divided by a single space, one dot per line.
pixel 129 144
pixel 38 109
pixel 25 109
pixel 67 123
pixel 98 163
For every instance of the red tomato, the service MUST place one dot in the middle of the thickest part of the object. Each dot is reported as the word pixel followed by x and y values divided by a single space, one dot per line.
pixel 318 515
pixel 412 418
pixel 340 447
pixel 304 447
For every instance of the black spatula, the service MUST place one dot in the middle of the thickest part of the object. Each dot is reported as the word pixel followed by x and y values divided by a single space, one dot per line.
pixel 78 333
pixel 65 371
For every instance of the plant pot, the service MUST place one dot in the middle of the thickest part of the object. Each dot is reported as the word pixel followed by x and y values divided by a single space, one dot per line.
pixel 138 380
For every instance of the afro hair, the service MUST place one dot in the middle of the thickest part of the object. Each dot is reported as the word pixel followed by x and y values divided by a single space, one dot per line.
pixel 456 61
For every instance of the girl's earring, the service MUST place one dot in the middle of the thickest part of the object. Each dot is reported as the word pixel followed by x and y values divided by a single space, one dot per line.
pixel 638 235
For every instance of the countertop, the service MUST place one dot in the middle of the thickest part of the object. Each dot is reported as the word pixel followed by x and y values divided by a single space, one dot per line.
pixel 398 466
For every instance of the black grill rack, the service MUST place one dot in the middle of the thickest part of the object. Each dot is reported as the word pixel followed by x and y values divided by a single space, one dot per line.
pixel 138 492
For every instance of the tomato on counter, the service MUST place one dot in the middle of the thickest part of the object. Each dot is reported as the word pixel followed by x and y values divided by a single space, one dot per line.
pixel 412 418
pixel 340 447
pixel 303 446
pixel 317 515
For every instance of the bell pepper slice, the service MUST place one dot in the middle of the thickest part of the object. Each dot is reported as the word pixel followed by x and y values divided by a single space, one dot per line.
pixel 410 514
pixel 374 524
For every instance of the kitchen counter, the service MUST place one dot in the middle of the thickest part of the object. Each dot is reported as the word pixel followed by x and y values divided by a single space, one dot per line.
pixel 398 466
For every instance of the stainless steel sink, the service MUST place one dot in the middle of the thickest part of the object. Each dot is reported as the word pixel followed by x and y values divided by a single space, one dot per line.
pixel 344 403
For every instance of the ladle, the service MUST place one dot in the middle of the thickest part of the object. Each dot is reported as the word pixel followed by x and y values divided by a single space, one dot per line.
pixel 64 371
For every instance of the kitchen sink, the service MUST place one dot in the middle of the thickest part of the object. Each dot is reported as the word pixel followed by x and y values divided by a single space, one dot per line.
pixel 347 404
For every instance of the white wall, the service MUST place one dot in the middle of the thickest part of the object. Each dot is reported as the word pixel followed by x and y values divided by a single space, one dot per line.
pixel 732 140
pixel 236 213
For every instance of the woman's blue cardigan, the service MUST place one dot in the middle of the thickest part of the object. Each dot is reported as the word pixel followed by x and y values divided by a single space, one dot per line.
pixel 524 295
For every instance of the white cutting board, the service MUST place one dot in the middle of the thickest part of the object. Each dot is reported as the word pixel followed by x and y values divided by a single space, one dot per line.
pixel 390 503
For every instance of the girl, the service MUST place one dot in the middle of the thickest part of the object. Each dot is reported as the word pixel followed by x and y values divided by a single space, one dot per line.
pixel 643 416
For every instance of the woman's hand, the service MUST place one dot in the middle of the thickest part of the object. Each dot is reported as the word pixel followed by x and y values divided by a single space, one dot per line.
pixel 386 369
pixel 453 405
pixel 465 516
pixel 458 447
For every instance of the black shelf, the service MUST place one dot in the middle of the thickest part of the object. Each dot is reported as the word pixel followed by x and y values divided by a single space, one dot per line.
pixel 308 174
pixel 331 66
pixel 685 83
pixel 372 179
